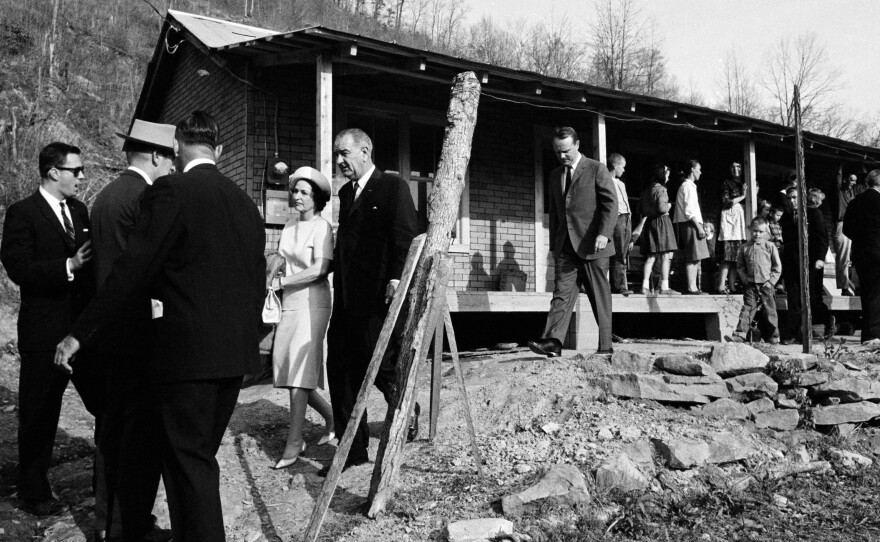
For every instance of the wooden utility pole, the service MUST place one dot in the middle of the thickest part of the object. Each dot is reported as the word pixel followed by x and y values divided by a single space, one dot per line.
pixel 427 297
pixel 803 235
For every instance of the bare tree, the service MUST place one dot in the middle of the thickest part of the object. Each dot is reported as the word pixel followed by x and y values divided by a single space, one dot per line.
pixel 616 32
pixel 801 61
pixel 735 90
pixel 552 49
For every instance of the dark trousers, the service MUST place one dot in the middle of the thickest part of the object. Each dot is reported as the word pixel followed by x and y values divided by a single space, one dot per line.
pixel 818 310
pixel 565 292
pixel 753 296
pixel 870 295
pixel 350 344
pixel 40 390
pixel 621 237
pixel 193 416
pixel 129 441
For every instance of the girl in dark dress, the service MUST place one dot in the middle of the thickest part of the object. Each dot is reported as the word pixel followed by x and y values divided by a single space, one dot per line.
pixel 658 239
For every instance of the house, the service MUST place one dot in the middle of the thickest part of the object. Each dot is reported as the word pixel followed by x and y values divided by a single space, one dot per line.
pixel 287 94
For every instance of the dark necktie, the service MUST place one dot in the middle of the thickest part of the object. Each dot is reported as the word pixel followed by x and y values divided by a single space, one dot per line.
pixel 567 179
pixel 354 192
pixel 68 226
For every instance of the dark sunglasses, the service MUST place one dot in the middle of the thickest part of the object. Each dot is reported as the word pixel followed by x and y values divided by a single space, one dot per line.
pixel 75 170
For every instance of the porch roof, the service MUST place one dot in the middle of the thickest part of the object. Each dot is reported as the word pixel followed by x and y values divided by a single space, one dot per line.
pixel 225 41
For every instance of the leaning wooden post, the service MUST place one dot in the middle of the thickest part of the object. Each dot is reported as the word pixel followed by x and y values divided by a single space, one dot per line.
pixel 803 236
pixel 424 315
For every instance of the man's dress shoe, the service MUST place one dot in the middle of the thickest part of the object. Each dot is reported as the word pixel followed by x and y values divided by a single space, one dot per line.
pixel 546 347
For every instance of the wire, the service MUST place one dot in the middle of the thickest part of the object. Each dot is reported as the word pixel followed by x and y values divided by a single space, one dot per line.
pixel 782 137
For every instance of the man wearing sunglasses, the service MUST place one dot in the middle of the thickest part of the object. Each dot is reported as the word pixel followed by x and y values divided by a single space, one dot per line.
pixel 46 252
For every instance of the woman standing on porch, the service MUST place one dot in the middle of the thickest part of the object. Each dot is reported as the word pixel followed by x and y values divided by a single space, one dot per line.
pixel 305 252
pixel 689 223
pixel 732 229
pixel 656 231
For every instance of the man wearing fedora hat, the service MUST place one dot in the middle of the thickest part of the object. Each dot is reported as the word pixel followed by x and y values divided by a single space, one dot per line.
pixel 128 435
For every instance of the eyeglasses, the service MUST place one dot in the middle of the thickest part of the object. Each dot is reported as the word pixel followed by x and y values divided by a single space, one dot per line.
pixel 75 170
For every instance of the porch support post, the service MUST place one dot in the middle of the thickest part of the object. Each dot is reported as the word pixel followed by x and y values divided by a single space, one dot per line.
pixel 541 251
pixel 750 172
pixel 600 145
pixel 324 125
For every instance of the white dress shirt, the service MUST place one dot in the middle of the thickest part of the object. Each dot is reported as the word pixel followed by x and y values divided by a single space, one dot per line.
pixel 198 162
pixel 55 204
pixel 687 204
pixel 622 198
pixel 142 173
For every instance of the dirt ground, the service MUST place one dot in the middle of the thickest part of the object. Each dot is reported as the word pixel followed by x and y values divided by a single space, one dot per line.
pixel 512 396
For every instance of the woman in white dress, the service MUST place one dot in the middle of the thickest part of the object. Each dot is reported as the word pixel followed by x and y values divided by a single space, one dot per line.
pixel 305 252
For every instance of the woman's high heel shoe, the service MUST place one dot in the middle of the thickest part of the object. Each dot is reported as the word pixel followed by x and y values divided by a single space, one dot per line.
pixel 327 438
pixel 285 462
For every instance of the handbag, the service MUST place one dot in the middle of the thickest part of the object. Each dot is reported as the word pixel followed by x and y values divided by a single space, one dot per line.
pixel 272 305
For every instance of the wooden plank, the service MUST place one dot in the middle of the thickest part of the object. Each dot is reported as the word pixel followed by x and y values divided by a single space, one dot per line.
pixel 803 235
pixel 429 282
pixel 539 134
pixel 415 340
pixel 459 374
pixel 324 123
pixel 436 364
pixel 322 503
pixel 750 171
pixel 600 143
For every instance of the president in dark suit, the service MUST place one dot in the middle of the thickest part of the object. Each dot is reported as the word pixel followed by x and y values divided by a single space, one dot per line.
pixel 862 225
pixel 583 213
pixel 128 438
pixel 46 252
pixel 197 247
pixel 377 223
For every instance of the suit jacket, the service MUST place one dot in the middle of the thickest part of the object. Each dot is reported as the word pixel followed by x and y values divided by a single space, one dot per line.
pixel 372 242
pixel 817 242
pixel 197 247
pixel 589 209
pixel 34 251
pixel 862 224
pixel 113 216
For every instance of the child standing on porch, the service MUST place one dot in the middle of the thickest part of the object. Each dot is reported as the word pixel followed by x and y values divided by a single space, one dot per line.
pixel 759 266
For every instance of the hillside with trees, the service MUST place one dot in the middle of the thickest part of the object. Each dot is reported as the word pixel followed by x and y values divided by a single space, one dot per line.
pixel 72 70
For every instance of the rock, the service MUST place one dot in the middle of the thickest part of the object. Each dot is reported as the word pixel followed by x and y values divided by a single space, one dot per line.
pixel 478 530
pixel 724 408
pixel 850 459
pixel 829 401
pixel 800 454
pixel 761 405
pixel 679 379
pixel 780 420
pixel 845 429
pixel 522 468
pixel 874 444
pixel 848 413
pixel 684 365
pixel 751 386
pixel 849 390
pixel 641 453
pixel 732 359
pixel 621 360
pixel 835 369
pixel 783 401
pixel 804 380
pixel 797 361
pixel 550 428
pixel 636 386
pixel 682 453
pixel 630 432
pixel 562 485
pixel 727 447
pixel 620 473
pixel 605 433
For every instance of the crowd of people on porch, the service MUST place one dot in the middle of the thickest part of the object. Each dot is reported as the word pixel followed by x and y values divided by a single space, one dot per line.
pixel 675 226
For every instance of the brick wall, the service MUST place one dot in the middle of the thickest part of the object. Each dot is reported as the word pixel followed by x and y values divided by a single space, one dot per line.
pixel 198 83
